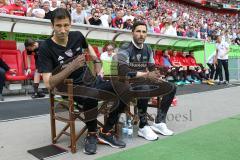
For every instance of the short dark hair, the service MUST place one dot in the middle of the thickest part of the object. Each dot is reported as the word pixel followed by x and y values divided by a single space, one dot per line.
pixel 60 13
pixel 29 42
pixel 138 23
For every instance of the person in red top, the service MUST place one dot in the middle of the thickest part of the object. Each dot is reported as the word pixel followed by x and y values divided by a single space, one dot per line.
pixel 197 70
pixel 17 8
pixel 176 61
pixel 188 69
pixel 117 22
pixel 4 7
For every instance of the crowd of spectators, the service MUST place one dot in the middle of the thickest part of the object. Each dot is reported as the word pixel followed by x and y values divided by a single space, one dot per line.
pixel 162 17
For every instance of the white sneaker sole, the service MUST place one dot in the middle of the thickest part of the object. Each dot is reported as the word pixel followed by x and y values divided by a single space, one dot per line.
pixel 88 153
pixel 158 131
pixel 102 141
pixel 141 135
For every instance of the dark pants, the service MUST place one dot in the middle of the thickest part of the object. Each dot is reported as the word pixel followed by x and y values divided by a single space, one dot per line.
pixel 91 104
pixel 2 79
pixel 212 70
pixel 224 64
pixel 166 101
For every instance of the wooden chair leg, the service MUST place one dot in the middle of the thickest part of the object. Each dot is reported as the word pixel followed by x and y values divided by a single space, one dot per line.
pixel 52 118
pixel 72 119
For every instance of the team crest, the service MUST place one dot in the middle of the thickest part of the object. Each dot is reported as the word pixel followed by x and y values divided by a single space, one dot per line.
pixel 69 53
pixel 139 57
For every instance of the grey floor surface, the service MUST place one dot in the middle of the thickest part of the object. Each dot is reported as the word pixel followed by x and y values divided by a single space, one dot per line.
pixel 193 110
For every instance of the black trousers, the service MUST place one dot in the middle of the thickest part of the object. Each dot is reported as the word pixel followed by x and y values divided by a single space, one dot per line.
pixel 212 70
pixel 91 104
pixel 224 64
pixel 2 79
pixel 166 101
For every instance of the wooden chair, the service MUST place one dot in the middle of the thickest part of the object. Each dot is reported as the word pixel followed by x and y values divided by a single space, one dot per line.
pixel 70 115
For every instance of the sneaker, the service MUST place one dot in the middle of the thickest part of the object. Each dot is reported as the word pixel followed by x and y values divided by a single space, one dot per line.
pixel 178 83
pixel 147 133
pixel 187 82
pixel 210 82
pixel 110 139
pixel 220 83
pixel 38 95
pixel 1 97
pixel 162 129
pixel 197 82
pixel 90 143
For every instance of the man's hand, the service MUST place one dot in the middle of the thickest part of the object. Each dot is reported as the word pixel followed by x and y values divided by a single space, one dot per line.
pixel 28 71
pixel 77 62
pixel 154 75
pixel 12 71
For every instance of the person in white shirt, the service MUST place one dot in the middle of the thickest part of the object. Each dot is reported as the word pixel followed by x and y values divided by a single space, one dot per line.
pixel 109 53
pixel 128 16
pixel 169 29
pixel 221 59
pixel 35 10
pixel 78 16
pixel 107 56
pixel 105 18
pixel 211 65
pixel 54 5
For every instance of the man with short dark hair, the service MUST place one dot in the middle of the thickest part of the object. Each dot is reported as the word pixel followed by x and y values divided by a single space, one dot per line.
pixel 136 60
pixel 32 48
pixel 95 19
pixel 63 47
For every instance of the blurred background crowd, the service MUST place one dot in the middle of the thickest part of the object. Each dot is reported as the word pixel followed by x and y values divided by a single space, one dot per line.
pixel 169 17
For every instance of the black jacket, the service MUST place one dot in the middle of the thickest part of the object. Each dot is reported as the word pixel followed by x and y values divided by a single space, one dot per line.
pixel 4 65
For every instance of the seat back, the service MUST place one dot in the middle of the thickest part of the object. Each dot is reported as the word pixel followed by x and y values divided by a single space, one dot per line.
pixel 8 44
pixel 96 51
pixel 158 57
pixel 13 59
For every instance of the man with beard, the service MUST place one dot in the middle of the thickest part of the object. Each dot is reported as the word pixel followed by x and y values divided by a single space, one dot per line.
pixel 136 61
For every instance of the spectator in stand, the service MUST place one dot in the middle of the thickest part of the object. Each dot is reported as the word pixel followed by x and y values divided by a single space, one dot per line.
pixel 46 8
pixel 117 22
pixel 4 7
pixel 3 69
pixel 63 5
pixel 35 10
pixel 95 20
pixel 17 8
pixel 128 16
pixel 128 24
pixel 169 29
pixel 68 7
pixel 106 17
pixel 73 6
pixel 90 15
pixel 78 16
pixel 53 5
pixel 150 26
